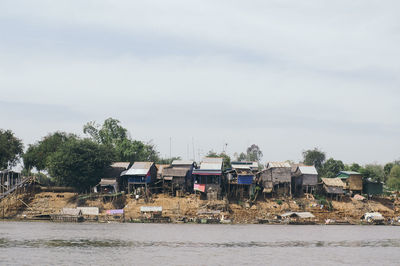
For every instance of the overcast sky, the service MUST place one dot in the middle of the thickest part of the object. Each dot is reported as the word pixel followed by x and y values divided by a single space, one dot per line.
pixel 286 75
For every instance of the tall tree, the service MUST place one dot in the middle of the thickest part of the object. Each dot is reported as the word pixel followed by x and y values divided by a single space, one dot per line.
pixel 355 167
pixel 394 178
pixel 79 163
pixel 112 134
pixel 314 157
pixel 331 168
pixel 38 153
pixel 374 172
pixel 254 153
pixel 11 149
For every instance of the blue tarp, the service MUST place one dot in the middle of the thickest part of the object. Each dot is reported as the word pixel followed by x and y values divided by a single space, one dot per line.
pixel 245 179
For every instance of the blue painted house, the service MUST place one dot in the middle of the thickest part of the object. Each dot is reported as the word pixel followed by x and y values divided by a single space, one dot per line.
pixel 140 174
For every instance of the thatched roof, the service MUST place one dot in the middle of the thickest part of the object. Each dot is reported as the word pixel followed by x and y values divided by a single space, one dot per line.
pixel 333 182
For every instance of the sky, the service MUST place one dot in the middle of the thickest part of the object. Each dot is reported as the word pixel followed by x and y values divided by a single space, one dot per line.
pixel 208 75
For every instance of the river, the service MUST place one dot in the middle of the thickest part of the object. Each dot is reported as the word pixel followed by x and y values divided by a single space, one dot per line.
pixel 45 243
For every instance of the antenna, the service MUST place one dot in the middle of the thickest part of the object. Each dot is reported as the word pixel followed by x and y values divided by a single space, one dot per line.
pixel 194 152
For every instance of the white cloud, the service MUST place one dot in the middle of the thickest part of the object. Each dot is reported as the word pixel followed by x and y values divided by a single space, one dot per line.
pixel 283 74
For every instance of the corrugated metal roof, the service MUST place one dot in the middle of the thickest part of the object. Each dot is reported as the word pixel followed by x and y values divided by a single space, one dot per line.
pixel 139 168
pixel 333 182
pixel 240 166
pixel 210 166
pixel 173 171
pixel 182 162
pixel 71 211
pixel 278 164
pixel 350 172
pixel 124 165
pixel 151 208
pixel 207 172
pixel 302 215
pixel 308 170
pixel 108 182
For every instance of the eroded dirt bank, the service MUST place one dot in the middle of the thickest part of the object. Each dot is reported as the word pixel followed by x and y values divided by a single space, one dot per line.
pixel 190 207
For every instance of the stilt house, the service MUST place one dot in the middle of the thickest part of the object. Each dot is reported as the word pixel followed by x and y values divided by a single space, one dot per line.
pixel 304 180
pixel 207 179
pixel 109 182
pixel 139 175
pixel 177 178
pixel 276 178
pixel 353 181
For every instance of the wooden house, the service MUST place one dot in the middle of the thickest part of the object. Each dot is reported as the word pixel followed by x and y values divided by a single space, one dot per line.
pixel 276 178
pixel 353 181
pixel 207 179
pixel 140 175
pixel 333 187
pixel 304 180
pixel 109 182
pixel 239 179
pixel 177 178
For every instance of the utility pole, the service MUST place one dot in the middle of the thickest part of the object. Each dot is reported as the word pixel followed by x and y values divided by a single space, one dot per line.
pixel 194 157
pixel 170 147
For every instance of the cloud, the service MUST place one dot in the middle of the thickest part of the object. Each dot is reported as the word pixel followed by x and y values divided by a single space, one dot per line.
pixel 283 74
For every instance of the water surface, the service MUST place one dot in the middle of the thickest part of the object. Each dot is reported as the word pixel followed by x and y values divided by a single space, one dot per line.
pixel 36 243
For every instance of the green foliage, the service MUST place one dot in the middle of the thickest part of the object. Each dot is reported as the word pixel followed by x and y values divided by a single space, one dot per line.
pixel 43 179
pixel 354 167
pixel 38 154
pixel 394 178
pixel 11 149
pixel 242 157
pixel 279 202
pixel 225 158
pixel 254 154
pixel 112 134
pixel 374 172
pixel 331 168
pixel 314 157
pixel 79 163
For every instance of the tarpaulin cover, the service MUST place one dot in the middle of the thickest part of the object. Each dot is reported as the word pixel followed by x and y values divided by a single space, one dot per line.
pixel 200 187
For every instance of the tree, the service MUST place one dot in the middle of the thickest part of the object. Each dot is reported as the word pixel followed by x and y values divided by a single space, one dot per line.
pixel 11 149
pixel 168 160
pixel 331 168
pixel 314 157
pixel 110 133
pixel 38 153
pixel 394 178
pixel 374 172
pixel 79 163
pixel 354 167
pixel 116 137
pixel 254 153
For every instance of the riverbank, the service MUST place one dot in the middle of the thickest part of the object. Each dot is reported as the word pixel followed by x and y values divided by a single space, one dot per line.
pixel 191 208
